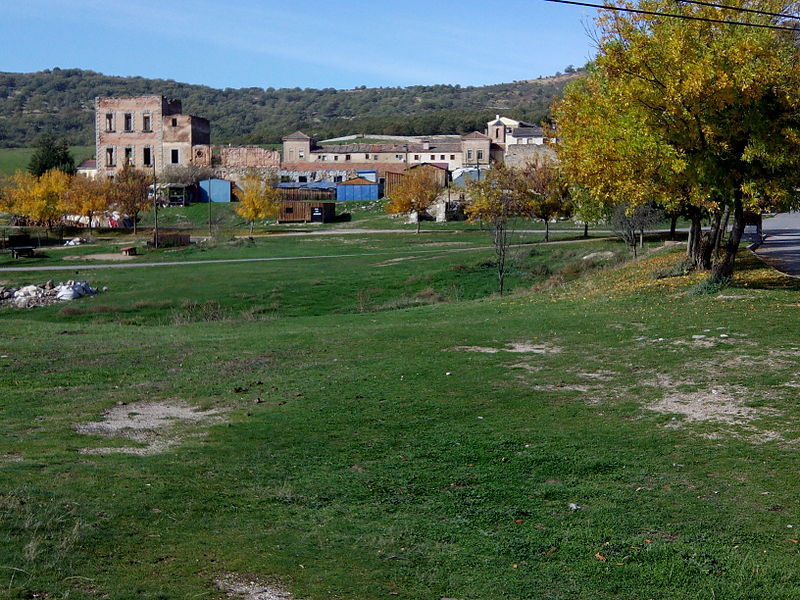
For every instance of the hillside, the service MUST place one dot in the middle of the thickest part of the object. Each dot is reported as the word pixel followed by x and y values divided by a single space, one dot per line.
pixel 61 101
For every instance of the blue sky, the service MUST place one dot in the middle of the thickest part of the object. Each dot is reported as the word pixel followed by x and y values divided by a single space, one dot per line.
pixel 314 44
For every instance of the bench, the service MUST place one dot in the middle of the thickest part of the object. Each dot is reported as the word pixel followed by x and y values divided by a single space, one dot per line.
pixel 129 250
pixel 17 251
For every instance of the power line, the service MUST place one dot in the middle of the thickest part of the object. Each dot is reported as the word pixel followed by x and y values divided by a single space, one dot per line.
pixel 740 9
pixel 639 11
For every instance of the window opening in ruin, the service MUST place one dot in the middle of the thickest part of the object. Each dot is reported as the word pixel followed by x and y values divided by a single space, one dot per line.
pixel 110 157
pixel 416 157
pixel 175 157
pixel 452 157
pixel 441 157
pixel 145 122
pixel 336 157
pixel 480 154
pixel 128 155
pixel 469 154
pixel 109 121
pixel 347 157
pixel 289 210
pixel 128 122
pixel 433 157
pixel 147 157
pixel 174 122
pixel 302 179
pixel 337 179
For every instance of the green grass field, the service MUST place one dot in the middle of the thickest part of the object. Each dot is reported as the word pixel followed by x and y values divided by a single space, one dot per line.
pixel 17 159
pixel 382 425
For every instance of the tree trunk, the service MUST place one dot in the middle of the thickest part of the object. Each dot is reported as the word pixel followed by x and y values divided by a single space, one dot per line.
pixel 134 223
pixel 673 224
pixel 723 269
pixel 417 222
pixel 586 230
pixel 251 228
pixel 546 230
pixel 641 239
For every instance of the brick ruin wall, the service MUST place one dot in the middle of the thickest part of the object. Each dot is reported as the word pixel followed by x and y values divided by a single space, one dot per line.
pixel 233 157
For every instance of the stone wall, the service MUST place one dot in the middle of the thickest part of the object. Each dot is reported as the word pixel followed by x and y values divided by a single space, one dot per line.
pixel 232 157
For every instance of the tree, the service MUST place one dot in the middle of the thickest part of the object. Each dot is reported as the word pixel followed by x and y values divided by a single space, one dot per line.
pixel 51 154
pixel 416 193
pixel 186 174
pixel 259 199
pixel 543 191
pixel 630 223
pixel 693 115
pixel 494 201
pixel 87 197
pixel 40 199
pixel 129 192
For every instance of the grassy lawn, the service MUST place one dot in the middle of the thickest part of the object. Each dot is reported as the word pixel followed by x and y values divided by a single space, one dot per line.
pixel 14 159
pixel 384 426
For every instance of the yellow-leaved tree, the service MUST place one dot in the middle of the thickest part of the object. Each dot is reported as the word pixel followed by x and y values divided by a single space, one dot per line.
pixel 259 198
pixel 415 193
pixel 39 199
pixel 87 197
pixel 495 202
pixel 694 115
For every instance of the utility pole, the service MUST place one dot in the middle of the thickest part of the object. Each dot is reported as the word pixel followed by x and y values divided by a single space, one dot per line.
pixel 155 206
pixel 210 234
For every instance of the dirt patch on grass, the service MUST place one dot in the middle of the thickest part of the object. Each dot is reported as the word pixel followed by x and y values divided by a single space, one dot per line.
pixel 156 425
pixel 9 458
pixel 514 347
pixel 249 587
pixel 101 256
pixel 393 261
pixel 713 406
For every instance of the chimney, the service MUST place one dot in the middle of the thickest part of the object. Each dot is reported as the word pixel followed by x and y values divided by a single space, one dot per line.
pixel 426 145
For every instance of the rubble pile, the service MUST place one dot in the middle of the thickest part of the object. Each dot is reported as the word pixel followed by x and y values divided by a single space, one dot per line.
pixel 29 296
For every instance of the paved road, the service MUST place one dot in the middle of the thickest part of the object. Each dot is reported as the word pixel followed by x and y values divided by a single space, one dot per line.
pixel 781 247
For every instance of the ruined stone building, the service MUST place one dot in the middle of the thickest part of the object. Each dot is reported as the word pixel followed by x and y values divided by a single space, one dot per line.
pixel 151 132
pixel 148 132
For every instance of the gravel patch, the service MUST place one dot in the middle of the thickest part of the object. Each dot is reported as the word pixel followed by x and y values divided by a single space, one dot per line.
pixel 157 425
pixel 250 588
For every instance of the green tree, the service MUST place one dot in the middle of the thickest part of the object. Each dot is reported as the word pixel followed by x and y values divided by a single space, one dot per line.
pixel 693 115
pixel 51 154
pixel 259 199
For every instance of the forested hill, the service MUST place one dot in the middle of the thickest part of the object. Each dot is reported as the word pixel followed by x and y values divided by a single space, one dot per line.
pixel 62 101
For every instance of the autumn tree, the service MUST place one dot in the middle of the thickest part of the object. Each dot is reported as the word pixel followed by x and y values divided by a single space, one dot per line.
pixel 695 116
pixel 87 197
pixel 259 199
pixel 39 199
pixel 495 202
pixel 543 191
pixel 129 192
pixel 51 154
pixel 416 192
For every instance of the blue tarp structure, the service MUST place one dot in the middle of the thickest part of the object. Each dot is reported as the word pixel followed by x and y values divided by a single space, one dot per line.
pixel 358 189
pixel 218 190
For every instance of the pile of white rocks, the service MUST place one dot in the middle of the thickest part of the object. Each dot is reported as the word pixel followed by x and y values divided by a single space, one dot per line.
pixel 29 296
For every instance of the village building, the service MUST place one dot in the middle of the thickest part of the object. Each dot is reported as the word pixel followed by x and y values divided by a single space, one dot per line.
pixel 149 132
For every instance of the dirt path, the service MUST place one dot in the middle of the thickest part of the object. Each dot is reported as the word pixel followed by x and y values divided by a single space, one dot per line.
pixel 85 267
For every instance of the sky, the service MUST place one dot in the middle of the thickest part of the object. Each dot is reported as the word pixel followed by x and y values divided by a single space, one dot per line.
pixel 308 44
